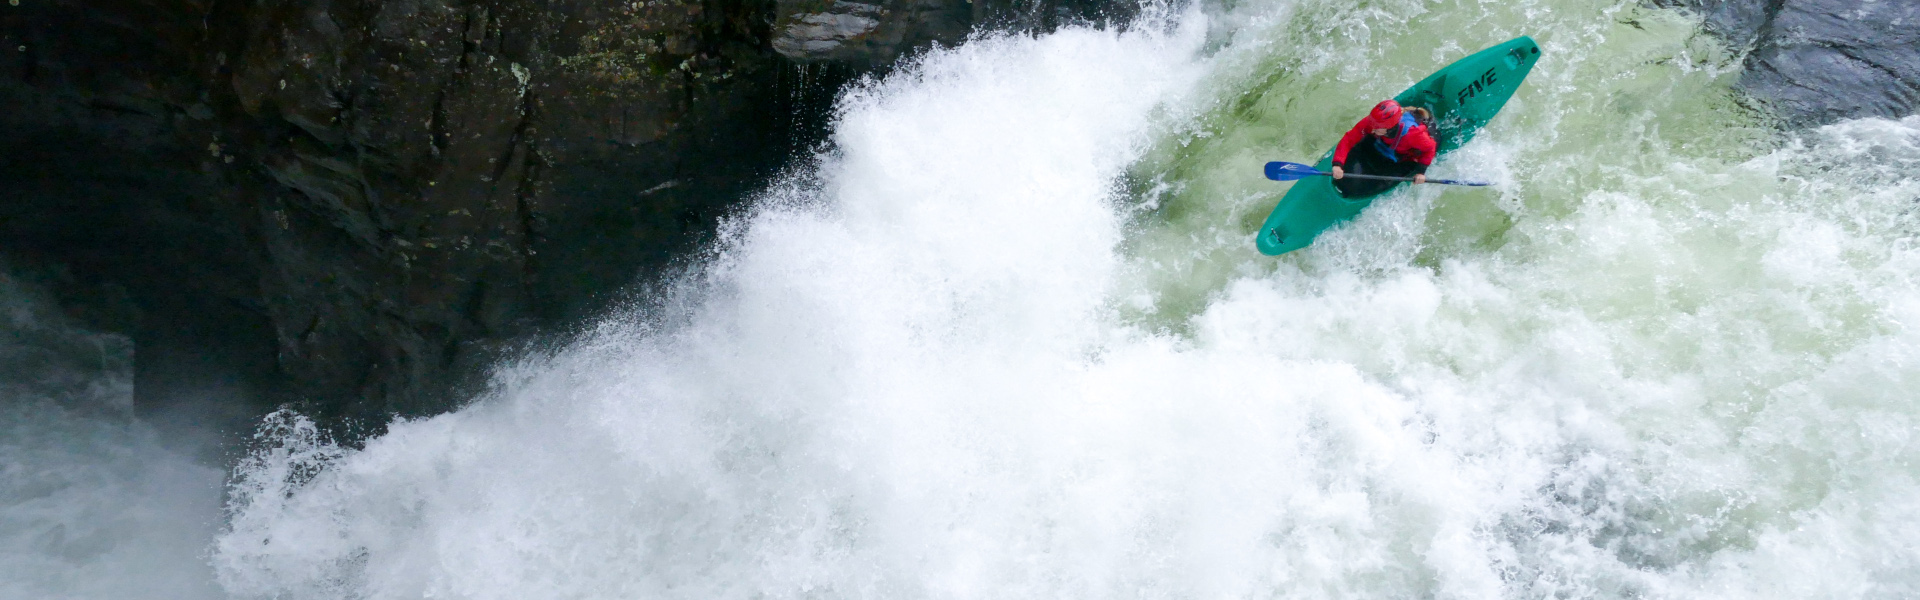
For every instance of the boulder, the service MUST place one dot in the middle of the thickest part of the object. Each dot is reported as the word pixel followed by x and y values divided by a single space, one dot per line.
pixel 874 33
pixel 865 33
pixel 1819 61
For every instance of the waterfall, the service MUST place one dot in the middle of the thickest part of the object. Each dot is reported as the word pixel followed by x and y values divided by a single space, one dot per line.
pixel 1007 336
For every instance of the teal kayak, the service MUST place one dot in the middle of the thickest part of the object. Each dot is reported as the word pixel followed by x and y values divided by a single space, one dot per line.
pixel 1464 96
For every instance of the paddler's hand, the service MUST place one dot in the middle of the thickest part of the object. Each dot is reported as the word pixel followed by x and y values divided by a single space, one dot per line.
pixel 1420 178
pixel 1338 173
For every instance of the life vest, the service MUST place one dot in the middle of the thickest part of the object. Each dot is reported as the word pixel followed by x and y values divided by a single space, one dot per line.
pixel 1390 146
pixel 1406 141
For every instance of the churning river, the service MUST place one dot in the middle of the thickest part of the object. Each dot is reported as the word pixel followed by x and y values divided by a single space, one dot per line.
pixel 1008 336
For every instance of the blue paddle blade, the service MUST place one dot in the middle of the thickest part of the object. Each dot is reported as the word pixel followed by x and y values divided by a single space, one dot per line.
pixel 1459 182
pixel 1286 171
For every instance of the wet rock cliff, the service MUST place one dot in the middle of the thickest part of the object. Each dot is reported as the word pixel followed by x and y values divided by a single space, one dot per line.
pixel 354 205
pixel 1818 61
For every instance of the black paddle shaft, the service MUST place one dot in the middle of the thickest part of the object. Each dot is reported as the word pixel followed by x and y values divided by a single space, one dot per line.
pixel 1379 177
pixel 1286 171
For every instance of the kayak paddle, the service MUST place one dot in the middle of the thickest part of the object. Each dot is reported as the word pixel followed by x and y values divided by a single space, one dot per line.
pixel 1286 171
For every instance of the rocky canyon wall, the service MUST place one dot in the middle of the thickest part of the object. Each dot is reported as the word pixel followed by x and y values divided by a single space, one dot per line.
pixel 354 205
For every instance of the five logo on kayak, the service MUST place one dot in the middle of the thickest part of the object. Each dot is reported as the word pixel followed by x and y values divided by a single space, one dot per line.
pixel 1474 88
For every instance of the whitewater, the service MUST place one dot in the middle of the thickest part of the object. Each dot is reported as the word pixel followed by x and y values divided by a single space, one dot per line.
pixel 1007 336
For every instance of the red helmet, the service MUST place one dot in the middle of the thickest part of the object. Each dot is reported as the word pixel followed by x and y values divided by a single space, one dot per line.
pixel 1385 115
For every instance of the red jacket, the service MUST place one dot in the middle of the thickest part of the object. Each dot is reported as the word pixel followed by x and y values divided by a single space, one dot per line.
pixel 1408 142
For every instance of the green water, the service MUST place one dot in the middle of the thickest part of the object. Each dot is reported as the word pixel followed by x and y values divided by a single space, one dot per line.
pixel 1623 92
pixel 1706 323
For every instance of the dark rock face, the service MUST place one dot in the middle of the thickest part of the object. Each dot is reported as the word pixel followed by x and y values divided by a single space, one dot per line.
pixel 420 155
pixel 101 193
pixel 352 205
pixel 1819 61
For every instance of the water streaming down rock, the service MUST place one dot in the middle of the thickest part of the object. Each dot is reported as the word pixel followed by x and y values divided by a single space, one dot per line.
pixel 1009 338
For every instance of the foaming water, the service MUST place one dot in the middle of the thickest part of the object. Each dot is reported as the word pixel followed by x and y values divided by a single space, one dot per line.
pixel 1010 339
pixel 92 504
pixel 878 388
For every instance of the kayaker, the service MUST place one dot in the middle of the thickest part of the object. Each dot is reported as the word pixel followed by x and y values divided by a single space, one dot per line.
pixel 1390 141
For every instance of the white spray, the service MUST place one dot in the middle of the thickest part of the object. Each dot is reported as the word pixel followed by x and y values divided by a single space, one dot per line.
pixel 1009 339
